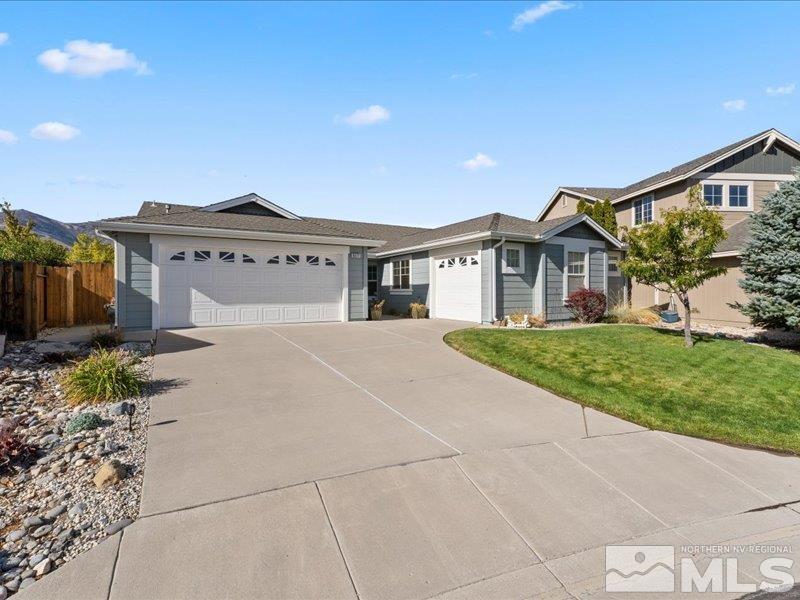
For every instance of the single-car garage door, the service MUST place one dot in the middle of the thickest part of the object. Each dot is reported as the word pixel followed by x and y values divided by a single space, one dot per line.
pixel 212 286
pixel 458 287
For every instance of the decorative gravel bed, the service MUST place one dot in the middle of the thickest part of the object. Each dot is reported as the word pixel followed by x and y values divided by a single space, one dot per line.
pixel 52 510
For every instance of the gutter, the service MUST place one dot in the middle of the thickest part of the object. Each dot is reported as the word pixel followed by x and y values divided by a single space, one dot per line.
pixel 102 227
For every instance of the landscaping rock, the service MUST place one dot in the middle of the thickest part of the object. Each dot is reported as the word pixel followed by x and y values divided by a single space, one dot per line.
pixel 119 409
pixel 117 526
pixel 110 473
pixel 43 567
pixel 16 535
pixel 78 509
pixel 26 582
pixel 41 531
pixel 54 512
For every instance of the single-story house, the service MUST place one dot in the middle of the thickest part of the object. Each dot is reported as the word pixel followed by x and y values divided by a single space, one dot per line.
pixel 733 180
pixel 248 261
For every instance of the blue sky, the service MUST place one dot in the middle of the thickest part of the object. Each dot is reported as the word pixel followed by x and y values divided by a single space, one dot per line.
pixel 211 101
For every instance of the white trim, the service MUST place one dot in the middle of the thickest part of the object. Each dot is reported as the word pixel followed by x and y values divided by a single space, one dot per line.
pixel 345 285
pixel 542 279
pixel 769 143
pixel 451 241
pixel 581 218
pixel 155 283
pixel 246 199
pixel 652 210
pixel 432 287
pixel 400 291
pixel 726 254
pixel 746 176
pixel 560 190
pixel 234 234
pixel 493 275
pixel 119 277
pixel 576 245
pixel 520 270
pixel 726 189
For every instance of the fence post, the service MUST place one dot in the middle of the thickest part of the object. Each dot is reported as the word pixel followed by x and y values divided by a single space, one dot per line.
pixel 30 312
pixel 70 276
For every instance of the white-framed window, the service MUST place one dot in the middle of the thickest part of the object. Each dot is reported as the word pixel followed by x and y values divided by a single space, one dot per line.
pixel 401 274
pixel 202 255
pixel 713 193
pixel 576 271
pixel 513 259
pixel 227 256
pixel 329 262
pixel 372 279
pixel 312 260
pixel 643 210
pixel 728 195
pixel 613 264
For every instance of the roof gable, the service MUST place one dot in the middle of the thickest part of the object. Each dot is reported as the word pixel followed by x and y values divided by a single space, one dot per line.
pixel 271 209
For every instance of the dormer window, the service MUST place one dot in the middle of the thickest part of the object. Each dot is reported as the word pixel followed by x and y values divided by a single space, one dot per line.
pixel 728 195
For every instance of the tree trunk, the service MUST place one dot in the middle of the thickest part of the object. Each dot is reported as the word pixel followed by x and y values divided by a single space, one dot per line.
pixel 687 319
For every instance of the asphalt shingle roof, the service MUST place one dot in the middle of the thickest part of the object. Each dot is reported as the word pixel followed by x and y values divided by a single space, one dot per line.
pixel 683 169
pixel 738 235
pixel 495 222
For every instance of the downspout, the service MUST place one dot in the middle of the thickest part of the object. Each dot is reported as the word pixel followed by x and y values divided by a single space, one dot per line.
pixel 494 279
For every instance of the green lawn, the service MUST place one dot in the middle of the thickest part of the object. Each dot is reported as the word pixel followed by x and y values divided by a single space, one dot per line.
pixel 720 389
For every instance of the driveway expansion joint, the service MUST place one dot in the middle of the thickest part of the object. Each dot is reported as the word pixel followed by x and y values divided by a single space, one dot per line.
pixel 336 537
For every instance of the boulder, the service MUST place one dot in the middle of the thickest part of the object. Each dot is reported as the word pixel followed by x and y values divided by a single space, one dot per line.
pixel 110 472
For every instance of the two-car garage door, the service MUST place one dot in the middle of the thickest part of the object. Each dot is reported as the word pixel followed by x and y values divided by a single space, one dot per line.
pixel 205 286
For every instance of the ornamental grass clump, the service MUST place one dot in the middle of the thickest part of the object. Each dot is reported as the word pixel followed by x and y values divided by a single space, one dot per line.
pixel 623 313
pixel 105 375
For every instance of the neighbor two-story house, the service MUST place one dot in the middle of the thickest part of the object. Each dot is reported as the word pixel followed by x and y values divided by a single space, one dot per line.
pixel 733 180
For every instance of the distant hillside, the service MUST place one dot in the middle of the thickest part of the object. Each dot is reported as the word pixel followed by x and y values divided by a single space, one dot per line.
pixel 65 233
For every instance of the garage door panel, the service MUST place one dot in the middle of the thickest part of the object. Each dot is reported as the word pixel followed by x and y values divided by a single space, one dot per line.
pixel 458 287
pixel 226 290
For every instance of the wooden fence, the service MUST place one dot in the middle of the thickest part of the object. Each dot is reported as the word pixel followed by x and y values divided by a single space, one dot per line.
pixel 34 296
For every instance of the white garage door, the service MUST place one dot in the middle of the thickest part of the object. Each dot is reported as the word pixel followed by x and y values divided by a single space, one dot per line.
pixel 458 287
pixel 211 286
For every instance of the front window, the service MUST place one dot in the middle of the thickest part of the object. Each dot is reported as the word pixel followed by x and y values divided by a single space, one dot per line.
pixel 401 274
pixel 613 264
pixel 513 258
pixel 738 196
pixel 643 210
pixel 372 279
pixel 712 194
pixel 576 271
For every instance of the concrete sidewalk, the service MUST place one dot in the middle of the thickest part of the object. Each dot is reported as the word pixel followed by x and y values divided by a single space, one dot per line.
pixel 369 460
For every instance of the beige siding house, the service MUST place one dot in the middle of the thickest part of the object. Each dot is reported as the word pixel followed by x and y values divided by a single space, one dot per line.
pixel 734 180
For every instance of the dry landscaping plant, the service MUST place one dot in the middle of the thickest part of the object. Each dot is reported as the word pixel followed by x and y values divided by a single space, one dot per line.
pixel 105 338
pixel 622 313
pixel 105 375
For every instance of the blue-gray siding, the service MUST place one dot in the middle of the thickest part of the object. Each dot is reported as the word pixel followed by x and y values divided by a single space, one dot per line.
pixel 554 278
pixel 420 283
pixel 486 281
pixel 581 231
pixel 515 292
pixel 357 283
pixel 135 292
pixel 753 159
pixel 597 268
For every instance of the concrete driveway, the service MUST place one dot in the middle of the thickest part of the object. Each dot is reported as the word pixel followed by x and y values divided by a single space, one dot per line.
pixel 369 460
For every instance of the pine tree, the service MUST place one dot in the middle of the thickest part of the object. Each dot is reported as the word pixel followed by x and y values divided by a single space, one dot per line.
pixel 583 207
pixel 603 213
pixel 771 260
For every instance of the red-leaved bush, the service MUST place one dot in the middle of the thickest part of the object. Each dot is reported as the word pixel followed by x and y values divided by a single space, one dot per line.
pixel 587 305
pixel 13 450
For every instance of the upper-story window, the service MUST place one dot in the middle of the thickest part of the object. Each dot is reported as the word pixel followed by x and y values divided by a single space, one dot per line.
pixel 712 194
pixel 728 195
pixel 643 210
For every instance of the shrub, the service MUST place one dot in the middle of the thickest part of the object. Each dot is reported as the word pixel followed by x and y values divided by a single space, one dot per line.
pixel 518 317
pixel 13 450
pixel 587 305
pixel 83 422
pixel 418 309
pixel 537 321
pixel 105 338
pixel 622 313
pixel 105 375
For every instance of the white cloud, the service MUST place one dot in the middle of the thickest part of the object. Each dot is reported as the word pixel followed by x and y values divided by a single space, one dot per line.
pixel 463 76
pixel 4 37
pixel 479 161
pixel 781 90
pixel 538 12
pixel 93 181
pixel 734 105
pixel 53 130
pixel 83 58
pixel 367 116
pixel 7 137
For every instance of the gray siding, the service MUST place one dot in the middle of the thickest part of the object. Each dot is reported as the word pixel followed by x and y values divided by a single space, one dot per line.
pixel 135 292
pixel 597 268
pixel 778 159
pixel 554 273
pixel 515 292
pixel 582 231
pixel 420 283
pixel 357 283
pixel 486 281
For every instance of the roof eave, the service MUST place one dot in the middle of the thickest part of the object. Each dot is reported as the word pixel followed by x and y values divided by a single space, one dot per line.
pixel 111 226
